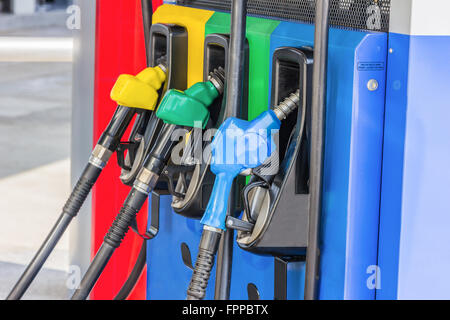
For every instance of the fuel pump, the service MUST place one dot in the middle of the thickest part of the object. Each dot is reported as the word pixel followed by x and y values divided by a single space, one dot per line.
pixel 188 181
pixel 166 43
pixel 273 223
pixel 238 147
pixel 275 218
pixel 135 95
pixel 178 110
pixel 194 190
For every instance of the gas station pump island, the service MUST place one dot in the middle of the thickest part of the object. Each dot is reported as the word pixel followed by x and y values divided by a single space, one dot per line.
pixel 256 144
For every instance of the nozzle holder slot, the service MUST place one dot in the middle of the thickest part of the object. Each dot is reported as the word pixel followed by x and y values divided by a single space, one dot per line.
pixel 283 228
pixel 193 205
pixel 217 47
pixel 170 40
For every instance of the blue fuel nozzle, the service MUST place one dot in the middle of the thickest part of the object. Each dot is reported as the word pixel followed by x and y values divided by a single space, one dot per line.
pixel 240 145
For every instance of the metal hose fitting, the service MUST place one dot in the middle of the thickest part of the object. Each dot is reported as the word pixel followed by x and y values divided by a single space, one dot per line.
pixel 287 106
pixel 217 78
pixel 162 63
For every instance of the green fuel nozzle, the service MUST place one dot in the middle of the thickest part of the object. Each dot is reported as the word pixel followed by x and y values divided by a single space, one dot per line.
pixel 190 108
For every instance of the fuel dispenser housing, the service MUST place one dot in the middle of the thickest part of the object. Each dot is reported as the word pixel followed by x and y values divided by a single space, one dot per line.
pixel 353 151
pixel 350 50
pixel 281 228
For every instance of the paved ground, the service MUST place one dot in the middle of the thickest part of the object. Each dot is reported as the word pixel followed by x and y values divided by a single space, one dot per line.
pixel 35 115
pixel 26 222
pixel 35 112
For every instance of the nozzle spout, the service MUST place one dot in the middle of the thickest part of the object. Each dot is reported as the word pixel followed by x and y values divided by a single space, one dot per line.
pixel 217 78
pixel 287 106
pixel 162 63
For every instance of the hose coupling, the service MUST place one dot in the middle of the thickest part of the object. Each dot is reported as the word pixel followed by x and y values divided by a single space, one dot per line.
pixel 100 156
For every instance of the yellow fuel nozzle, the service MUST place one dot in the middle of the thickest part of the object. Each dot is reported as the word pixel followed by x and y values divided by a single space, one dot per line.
pixel 139 91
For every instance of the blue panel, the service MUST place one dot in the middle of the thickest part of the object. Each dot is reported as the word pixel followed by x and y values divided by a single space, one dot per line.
pixel 393 152
pixel 365 167
pixel 351 185
pixel 353 156
pixel 423 228
pixel 168 278
pixel 250 268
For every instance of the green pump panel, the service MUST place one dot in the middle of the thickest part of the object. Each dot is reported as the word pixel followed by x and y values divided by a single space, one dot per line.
pixel 259 31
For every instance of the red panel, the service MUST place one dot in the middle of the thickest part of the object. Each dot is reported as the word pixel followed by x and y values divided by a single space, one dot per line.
pixel 120 49
pixel 156 4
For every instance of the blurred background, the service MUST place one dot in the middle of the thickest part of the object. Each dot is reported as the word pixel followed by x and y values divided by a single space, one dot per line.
pixel 35 117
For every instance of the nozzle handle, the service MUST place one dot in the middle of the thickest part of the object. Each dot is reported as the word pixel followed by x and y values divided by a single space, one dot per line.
pixel 216 211
pixel 140 91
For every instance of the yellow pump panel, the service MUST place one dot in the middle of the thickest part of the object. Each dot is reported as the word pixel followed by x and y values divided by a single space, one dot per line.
pixel 194 20
pixel 139 91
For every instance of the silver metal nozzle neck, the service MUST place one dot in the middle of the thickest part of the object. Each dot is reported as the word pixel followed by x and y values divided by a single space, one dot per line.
pixel 217 78
pixel 161 62
pixel 287 106
pixel 162 67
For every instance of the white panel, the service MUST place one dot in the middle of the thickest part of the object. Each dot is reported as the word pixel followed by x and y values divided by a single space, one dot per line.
pixel 400 20
pixel 430 17
pixel 420 17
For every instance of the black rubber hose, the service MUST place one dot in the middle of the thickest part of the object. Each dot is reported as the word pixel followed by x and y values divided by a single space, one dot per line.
pixel 236 63
pixel 234 96
pixel 112 241
pixel 95 270
pixel 200 277
pixel 133 278
pixel 130 283
pixel 81 190
pixel 203 265
pixel 318 116
pixel 70 210
pixel 147 12
pixel 109 140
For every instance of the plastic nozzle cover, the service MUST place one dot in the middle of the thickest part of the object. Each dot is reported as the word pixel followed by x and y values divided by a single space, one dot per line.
pixel 238 145
pixel 139 91
pixel 188 108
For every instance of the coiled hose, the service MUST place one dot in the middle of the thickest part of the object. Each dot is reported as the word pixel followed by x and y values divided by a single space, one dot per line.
pixel 81 190
pixel 112 240
pixel 205 261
